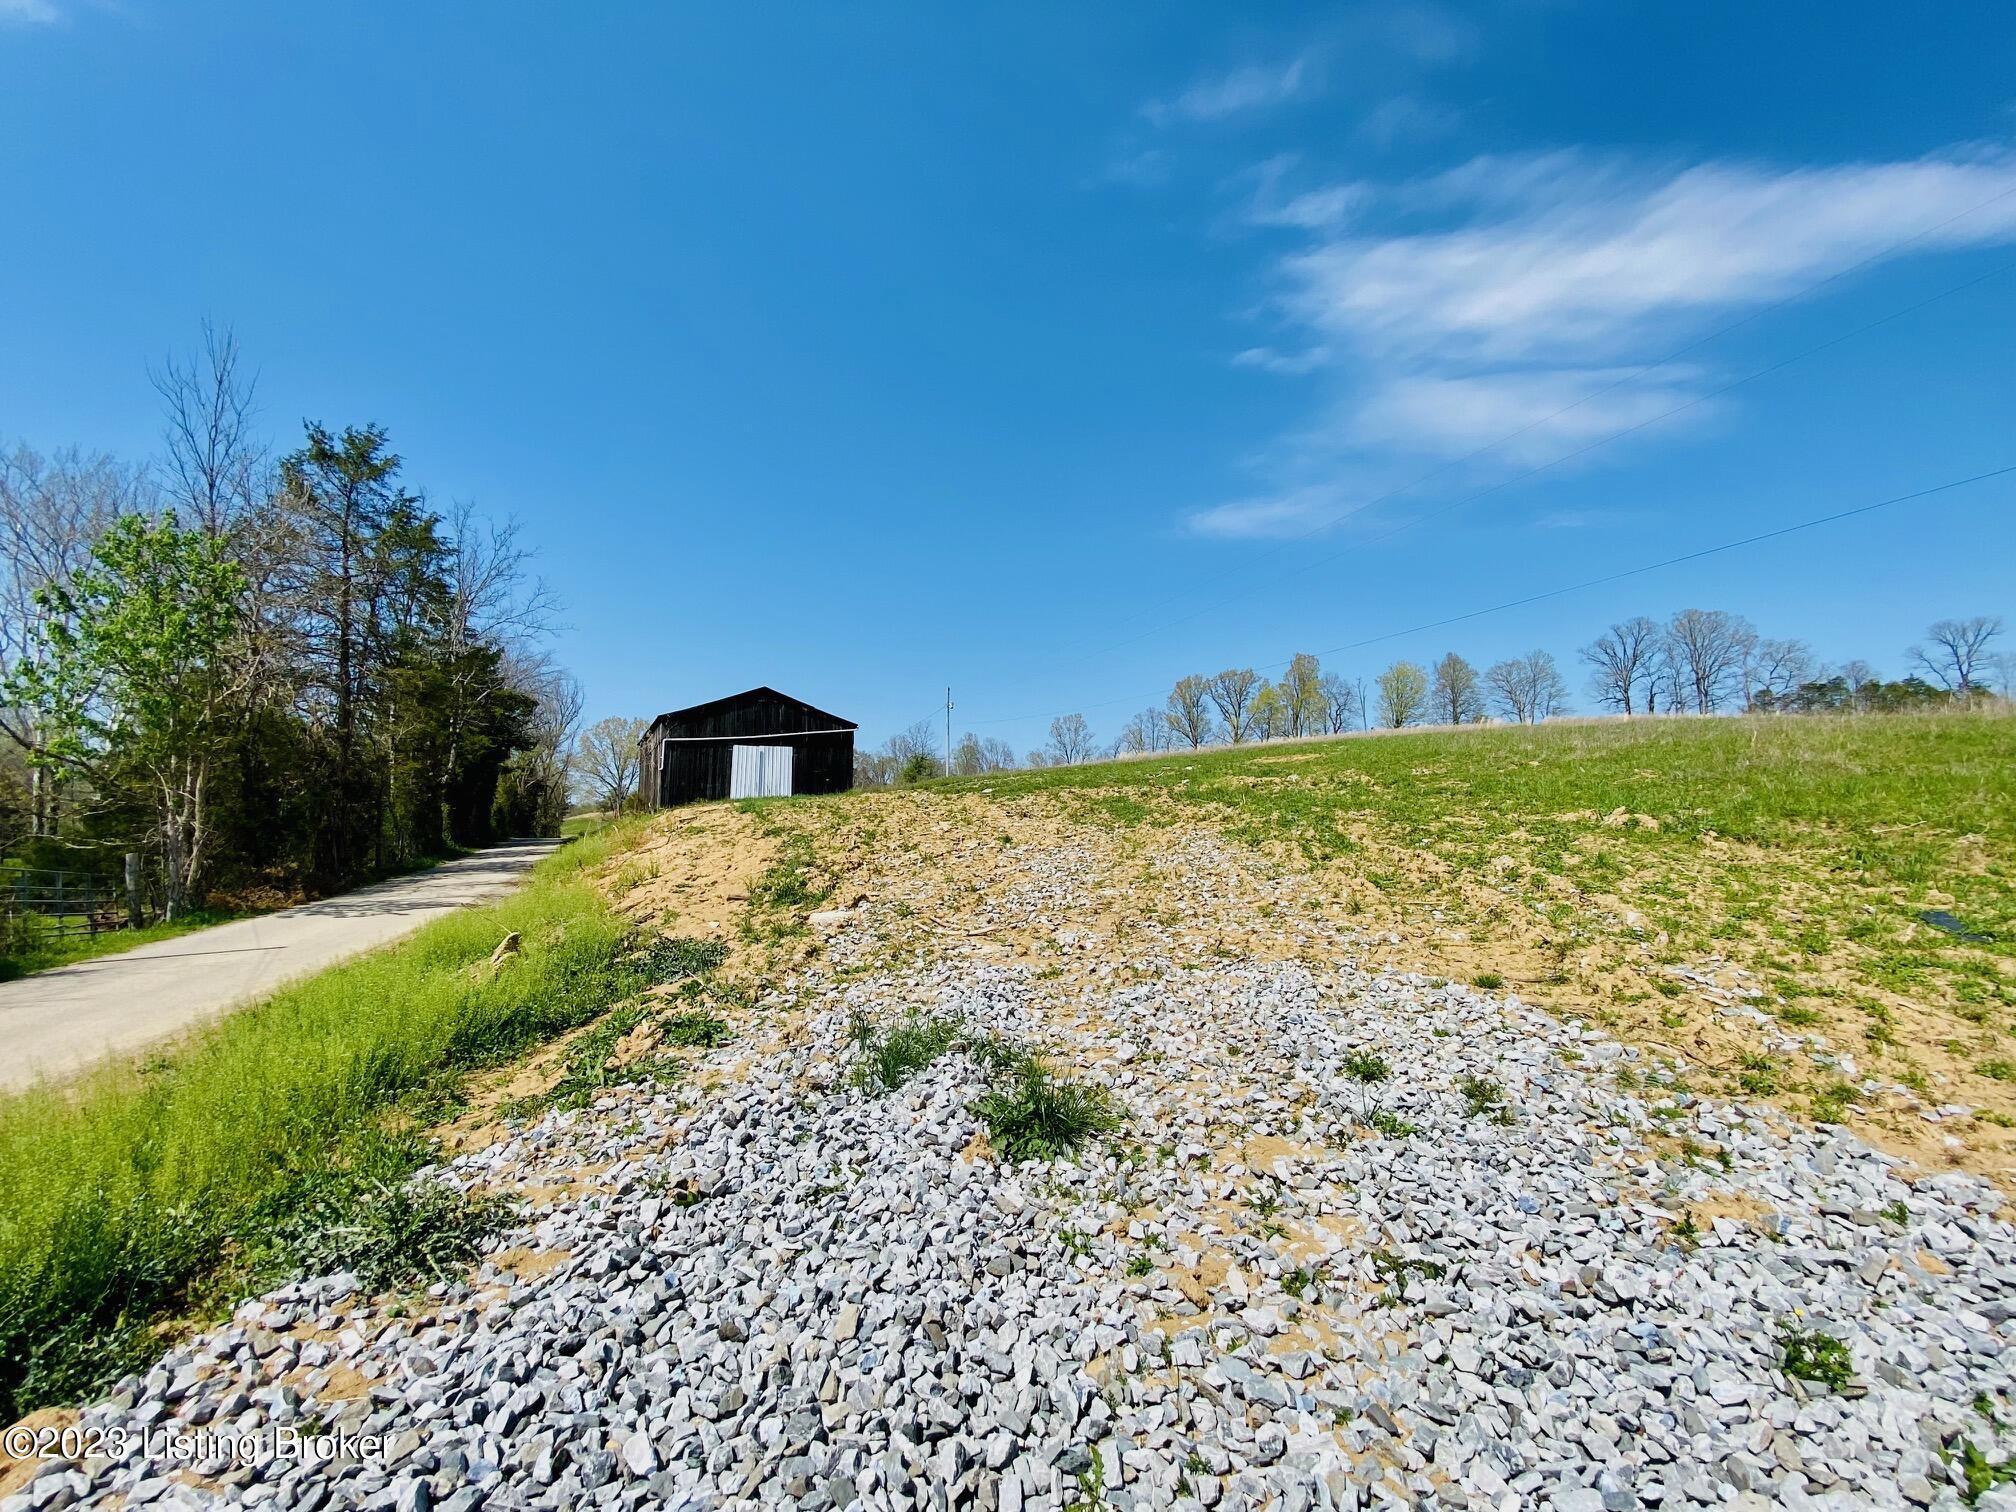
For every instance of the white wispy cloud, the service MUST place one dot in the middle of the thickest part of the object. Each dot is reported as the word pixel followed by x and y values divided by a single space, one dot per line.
pixel 1252 87
pixel 27 12
pixel 1575 268
pixel 1271 360
pixel 1288 513
pixel 1408 118
pixel 1533 414
pixel 1520 322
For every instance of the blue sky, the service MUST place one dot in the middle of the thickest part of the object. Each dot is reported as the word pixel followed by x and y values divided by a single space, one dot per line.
pixel 1053 351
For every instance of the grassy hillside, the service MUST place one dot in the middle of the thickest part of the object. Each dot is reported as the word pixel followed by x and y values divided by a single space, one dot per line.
pixel 1596 865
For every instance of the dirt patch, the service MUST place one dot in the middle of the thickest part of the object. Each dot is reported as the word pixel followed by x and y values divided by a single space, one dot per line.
pixel 690 873
pixel 526 1264
pixel 17 1472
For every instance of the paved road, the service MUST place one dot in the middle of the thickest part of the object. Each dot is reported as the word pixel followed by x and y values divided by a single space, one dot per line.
pixel 57 1021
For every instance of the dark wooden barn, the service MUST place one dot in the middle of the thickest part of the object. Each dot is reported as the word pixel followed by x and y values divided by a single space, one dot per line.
pixel 759 744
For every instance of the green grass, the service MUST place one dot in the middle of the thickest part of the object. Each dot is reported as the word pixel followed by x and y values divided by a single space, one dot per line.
pixel 141 1191
pixel 1802 849
pixel 891 1056
pixel 41 952
pixel 1888 795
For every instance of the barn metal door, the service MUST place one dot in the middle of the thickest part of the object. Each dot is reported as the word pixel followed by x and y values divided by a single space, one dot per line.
pixel 760 772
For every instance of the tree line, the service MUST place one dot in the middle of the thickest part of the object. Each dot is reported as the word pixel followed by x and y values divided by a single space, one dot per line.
pixel 267 673
pixel 1698 661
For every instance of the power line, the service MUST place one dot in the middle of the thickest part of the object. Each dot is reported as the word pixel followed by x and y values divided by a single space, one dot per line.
pixel 1583 450
pixel 1613 577
pixel 1674 561
pixel 1675 355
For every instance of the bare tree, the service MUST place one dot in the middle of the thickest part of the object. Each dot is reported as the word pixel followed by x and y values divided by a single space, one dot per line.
pixel 1232 691
pixel 1778 668
pixel 974 756
pixel 1711 650
pixel 51 511
pixel 1457 696
pixel 1145 734
pixel 1528 688
pixel 1858 677
pixel 1189 710
pixel 873 769
pixel 1958 649
pixel 919 739
pixel 548 765
pixel 2003 665
pixel 1340 703
pixel 1624 665
pixel 215 463
pixel 607 757
pixel 1070 740
pixel 1403 694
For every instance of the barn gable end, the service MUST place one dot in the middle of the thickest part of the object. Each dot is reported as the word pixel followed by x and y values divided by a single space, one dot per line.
pixel 688 755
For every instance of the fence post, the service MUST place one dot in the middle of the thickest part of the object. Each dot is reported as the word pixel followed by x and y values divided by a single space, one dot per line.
pixel 133 889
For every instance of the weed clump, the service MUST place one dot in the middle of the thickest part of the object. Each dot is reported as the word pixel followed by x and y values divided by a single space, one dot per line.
pixel 674 958
pixel 1032 1114
pixel 1484 1098
pixel 1369 1070
pixel 1759 1076
pixel 696 1031
pixel 1832 1102
pixel 785 892
pixel 1396 1270
pixel 1981 1474
pixel 891 1056
pixel 1812 1355
pixel 375 1220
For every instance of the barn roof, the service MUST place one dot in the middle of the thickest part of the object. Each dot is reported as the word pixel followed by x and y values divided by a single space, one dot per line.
pixel 715 705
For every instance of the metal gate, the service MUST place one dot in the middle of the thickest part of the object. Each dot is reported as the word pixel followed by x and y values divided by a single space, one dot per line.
pixel 760 772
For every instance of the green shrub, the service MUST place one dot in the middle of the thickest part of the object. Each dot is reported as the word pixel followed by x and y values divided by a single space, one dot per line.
pixel 1490 981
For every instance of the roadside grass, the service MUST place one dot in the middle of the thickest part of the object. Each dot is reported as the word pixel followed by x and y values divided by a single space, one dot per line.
pixel 33 951
pixel 143 1192
pixel 1582 861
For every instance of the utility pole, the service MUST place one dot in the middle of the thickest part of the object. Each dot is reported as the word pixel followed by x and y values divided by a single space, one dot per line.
pixel 948 732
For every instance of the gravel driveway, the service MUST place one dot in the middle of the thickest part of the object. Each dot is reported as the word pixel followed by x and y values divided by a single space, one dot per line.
pixel 57 1021
pixel 1516 1267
